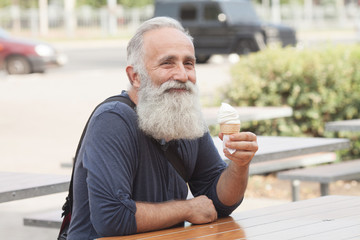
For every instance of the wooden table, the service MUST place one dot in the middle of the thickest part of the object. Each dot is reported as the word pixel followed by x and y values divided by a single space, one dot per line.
pixel 346 125
pixel 271 148
pixel 330 218
pixel 249 113
pixel 16 186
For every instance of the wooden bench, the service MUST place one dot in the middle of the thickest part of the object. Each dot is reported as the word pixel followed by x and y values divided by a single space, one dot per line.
pixel 348 170
pixel 260 168
pixel 50 219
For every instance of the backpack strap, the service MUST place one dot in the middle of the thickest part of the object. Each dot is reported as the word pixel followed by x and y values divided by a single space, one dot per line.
pixel 67 207
pixel 173 157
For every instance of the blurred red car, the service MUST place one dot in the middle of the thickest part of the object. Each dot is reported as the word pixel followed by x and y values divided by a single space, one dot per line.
pixel 22 56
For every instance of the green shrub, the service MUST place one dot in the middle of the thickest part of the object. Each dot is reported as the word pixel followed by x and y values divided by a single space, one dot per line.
pixel 321 85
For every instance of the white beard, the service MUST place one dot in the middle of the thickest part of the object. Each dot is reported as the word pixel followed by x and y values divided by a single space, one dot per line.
pixel 170 115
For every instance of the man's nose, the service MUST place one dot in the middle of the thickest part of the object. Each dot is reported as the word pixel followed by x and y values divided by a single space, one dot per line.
pixel 181 74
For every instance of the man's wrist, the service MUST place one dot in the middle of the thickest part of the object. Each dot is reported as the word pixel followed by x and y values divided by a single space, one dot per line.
pixel 238 170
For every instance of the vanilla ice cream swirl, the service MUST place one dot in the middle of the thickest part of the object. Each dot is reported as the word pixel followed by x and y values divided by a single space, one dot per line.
pixel 227 115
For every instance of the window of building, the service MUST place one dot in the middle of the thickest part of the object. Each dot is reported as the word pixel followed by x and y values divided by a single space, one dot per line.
pixel 211 12
pixel 188 12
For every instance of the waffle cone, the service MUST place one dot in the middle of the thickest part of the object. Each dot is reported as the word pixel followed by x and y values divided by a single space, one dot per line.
pixel 229 128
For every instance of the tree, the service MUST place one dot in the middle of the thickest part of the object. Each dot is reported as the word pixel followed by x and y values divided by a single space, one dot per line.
pixel 135 3
pixel 20 3
pixel 93 3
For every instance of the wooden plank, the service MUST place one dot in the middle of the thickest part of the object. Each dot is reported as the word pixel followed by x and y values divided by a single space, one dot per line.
pixel 349 170
pixel 180 232
pixel 305 216
pixel 351 232
pixel 291 163
pixel 236 233
pixel 310 224
pixel 346 125
pixel 321 202
pixel 50 219
pixel 280 218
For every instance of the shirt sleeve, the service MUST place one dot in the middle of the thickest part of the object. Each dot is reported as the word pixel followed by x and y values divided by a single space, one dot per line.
pixel 110 160
pixel 206 174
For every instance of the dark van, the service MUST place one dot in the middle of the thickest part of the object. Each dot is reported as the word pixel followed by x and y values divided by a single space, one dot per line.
pixel 224 26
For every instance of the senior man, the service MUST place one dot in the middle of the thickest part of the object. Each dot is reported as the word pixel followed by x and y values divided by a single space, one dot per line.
pixel 123 182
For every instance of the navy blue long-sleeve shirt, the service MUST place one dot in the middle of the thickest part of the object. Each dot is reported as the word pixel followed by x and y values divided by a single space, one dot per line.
pixel 119 165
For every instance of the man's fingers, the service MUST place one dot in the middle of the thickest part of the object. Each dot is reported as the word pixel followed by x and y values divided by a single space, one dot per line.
pixel 243 146
pixel 243 136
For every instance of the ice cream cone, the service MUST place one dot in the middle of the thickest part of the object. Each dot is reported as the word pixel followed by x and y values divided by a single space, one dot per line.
pixel 228 129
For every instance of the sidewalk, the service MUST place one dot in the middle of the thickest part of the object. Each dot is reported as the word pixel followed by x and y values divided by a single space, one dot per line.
pixel 12 214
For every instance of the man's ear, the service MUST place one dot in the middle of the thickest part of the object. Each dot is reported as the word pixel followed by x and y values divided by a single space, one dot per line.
pixel 133 76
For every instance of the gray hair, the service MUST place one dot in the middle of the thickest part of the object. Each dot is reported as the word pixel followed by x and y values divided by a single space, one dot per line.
pixel 135 51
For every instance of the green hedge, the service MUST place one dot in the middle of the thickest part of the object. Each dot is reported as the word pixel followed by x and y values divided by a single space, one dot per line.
pixel 321 85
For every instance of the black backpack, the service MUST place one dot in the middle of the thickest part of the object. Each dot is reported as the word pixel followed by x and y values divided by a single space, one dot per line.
pixel 67 207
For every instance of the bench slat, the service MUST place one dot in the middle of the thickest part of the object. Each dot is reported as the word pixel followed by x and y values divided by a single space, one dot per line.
pixel 50 219
pixel 324 174
pixel 291 163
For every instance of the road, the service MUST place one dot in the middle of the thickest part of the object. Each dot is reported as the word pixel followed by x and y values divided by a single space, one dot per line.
pixel 83 59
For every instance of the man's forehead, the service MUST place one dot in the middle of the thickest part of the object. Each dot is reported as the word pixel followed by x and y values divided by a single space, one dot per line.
pixel 165 34
pixel 168 43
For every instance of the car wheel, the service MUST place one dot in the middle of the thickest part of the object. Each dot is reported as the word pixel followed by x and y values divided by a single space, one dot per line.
pixel 18 65
pixel 244 47
pixel 202 58
pixel 260 41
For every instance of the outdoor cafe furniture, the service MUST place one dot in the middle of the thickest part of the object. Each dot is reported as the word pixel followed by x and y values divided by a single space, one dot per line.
pixel 324 175
pixel 330 218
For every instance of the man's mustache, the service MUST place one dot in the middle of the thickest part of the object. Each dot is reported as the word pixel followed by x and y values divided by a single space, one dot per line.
pixel 174 84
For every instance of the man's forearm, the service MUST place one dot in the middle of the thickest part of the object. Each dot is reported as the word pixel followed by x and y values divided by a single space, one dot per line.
pixel 155 216
pixel 233 181
pixel 232 184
